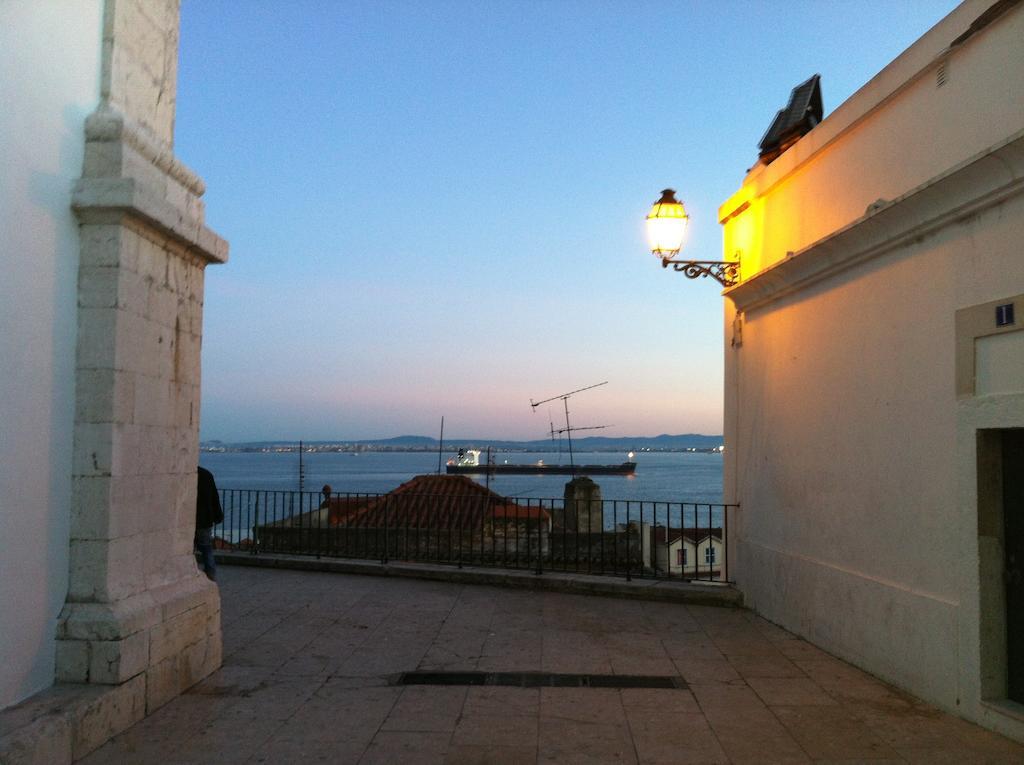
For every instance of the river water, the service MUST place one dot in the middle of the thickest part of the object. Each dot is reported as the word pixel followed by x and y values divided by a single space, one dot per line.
pixel 660 476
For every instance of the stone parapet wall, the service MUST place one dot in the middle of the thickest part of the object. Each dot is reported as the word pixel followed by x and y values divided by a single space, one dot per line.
pixel 407 544
pixel 612 550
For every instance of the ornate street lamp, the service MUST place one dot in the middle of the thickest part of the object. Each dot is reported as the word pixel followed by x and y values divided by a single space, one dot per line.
pixel 666 227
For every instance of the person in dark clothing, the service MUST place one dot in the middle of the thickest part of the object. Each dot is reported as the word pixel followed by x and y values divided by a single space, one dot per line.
pixel 208 513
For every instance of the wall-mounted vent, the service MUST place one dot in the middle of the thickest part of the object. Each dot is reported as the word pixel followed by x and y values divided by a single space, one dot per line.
pixel 940 75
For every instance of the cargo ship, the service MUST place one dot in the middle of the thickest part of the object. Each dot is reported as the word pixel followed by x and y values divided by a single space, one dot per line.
pixel 468 463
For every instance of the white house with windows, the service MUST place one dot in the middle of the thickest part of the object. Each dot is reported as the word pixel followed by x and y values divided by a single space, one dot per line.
pixel 689 553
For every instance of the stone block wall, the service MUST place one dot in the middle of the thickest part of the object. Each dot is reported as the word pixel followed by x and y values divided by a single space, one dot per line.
pixel 582 507
pixel 138 615
pixel 137 409
pixel 619 550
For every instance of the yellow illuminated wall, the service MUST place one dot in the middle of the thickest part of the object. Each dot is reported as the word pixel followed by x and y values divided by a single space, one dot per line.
pixel 882 143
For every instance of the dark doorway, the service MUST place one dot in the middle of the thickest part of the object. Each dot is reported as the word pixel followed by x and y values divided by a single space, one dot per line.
pixel 1013 538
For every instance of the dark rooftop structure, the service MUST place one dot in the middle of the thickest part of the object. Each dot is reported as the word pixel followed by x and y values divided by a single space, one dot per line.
pixel 430 517
pixel 798 118
pixel 429 501
pixel 439 501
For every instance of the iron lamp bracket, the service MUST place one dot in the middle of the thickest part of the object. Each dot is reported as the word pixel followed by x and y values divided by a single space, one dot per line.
pixel 726 273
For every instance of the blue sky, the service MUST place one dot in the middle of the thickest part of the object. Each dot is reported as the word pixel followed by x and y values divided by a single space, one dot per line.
pixel 436 208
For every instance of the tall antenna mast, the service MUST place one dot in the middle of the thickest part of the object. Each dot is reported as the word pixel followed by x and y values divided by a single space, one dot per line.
pixel 568 428
pixel 440 446
pixel 551 424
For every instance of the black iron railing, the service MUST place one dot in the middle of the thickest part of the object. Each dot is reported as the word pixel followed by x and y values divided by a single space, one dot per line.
pixel 630 538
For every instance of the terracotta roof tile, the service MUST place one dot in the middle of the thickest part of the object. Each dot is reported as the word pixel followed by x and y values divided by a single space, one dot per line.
pixel 429 501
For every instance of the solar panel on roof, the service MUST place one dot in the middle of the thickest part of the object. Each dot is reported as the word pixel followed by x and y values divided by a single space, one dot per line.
pixel 798 118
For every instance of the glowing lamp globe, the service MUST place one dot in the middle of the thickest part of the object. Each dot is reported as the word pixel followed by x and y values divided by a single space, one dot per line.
pixel 666 225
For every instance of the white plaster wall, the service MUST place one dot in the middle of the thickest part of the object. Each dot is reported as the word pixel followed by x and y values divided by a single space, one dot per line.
pixel 834 438
pixel 846 445
pixel 846 454
pixel 1000 364
pixel 49 83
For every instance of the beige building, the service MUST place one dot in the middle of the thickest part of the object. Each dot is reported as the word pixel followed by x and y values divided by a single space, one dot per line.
pixel 875 373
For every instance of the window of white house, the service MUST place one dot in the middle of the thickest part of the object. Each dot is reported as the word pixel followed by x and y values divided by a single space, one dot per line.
pixel 709 554
pixel 681 556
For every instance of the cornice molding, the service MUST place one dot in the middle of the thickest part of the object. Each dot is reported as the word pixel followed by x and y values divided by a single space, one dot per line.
pixel 967 189
pixel 108 200
pixel 108 125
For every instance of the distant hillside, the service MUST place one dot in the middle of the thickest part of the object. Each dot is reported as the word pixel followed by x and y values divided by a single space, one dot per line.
pixel 405 441
pixel 663 442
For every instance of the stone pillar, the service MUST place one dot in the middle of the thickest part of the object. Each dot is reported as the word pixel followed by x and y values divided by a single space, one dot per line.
pixel 583 508
pixel 138 612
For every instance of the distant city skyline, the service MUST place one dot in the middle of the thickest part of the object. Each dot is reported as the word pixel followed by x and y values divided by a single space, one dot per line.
pixel 435 209
pixel 416 440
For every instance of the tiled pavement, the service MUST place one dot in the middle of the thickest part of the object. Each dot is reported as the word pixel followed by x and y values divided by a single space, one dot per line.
pixel 309 658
